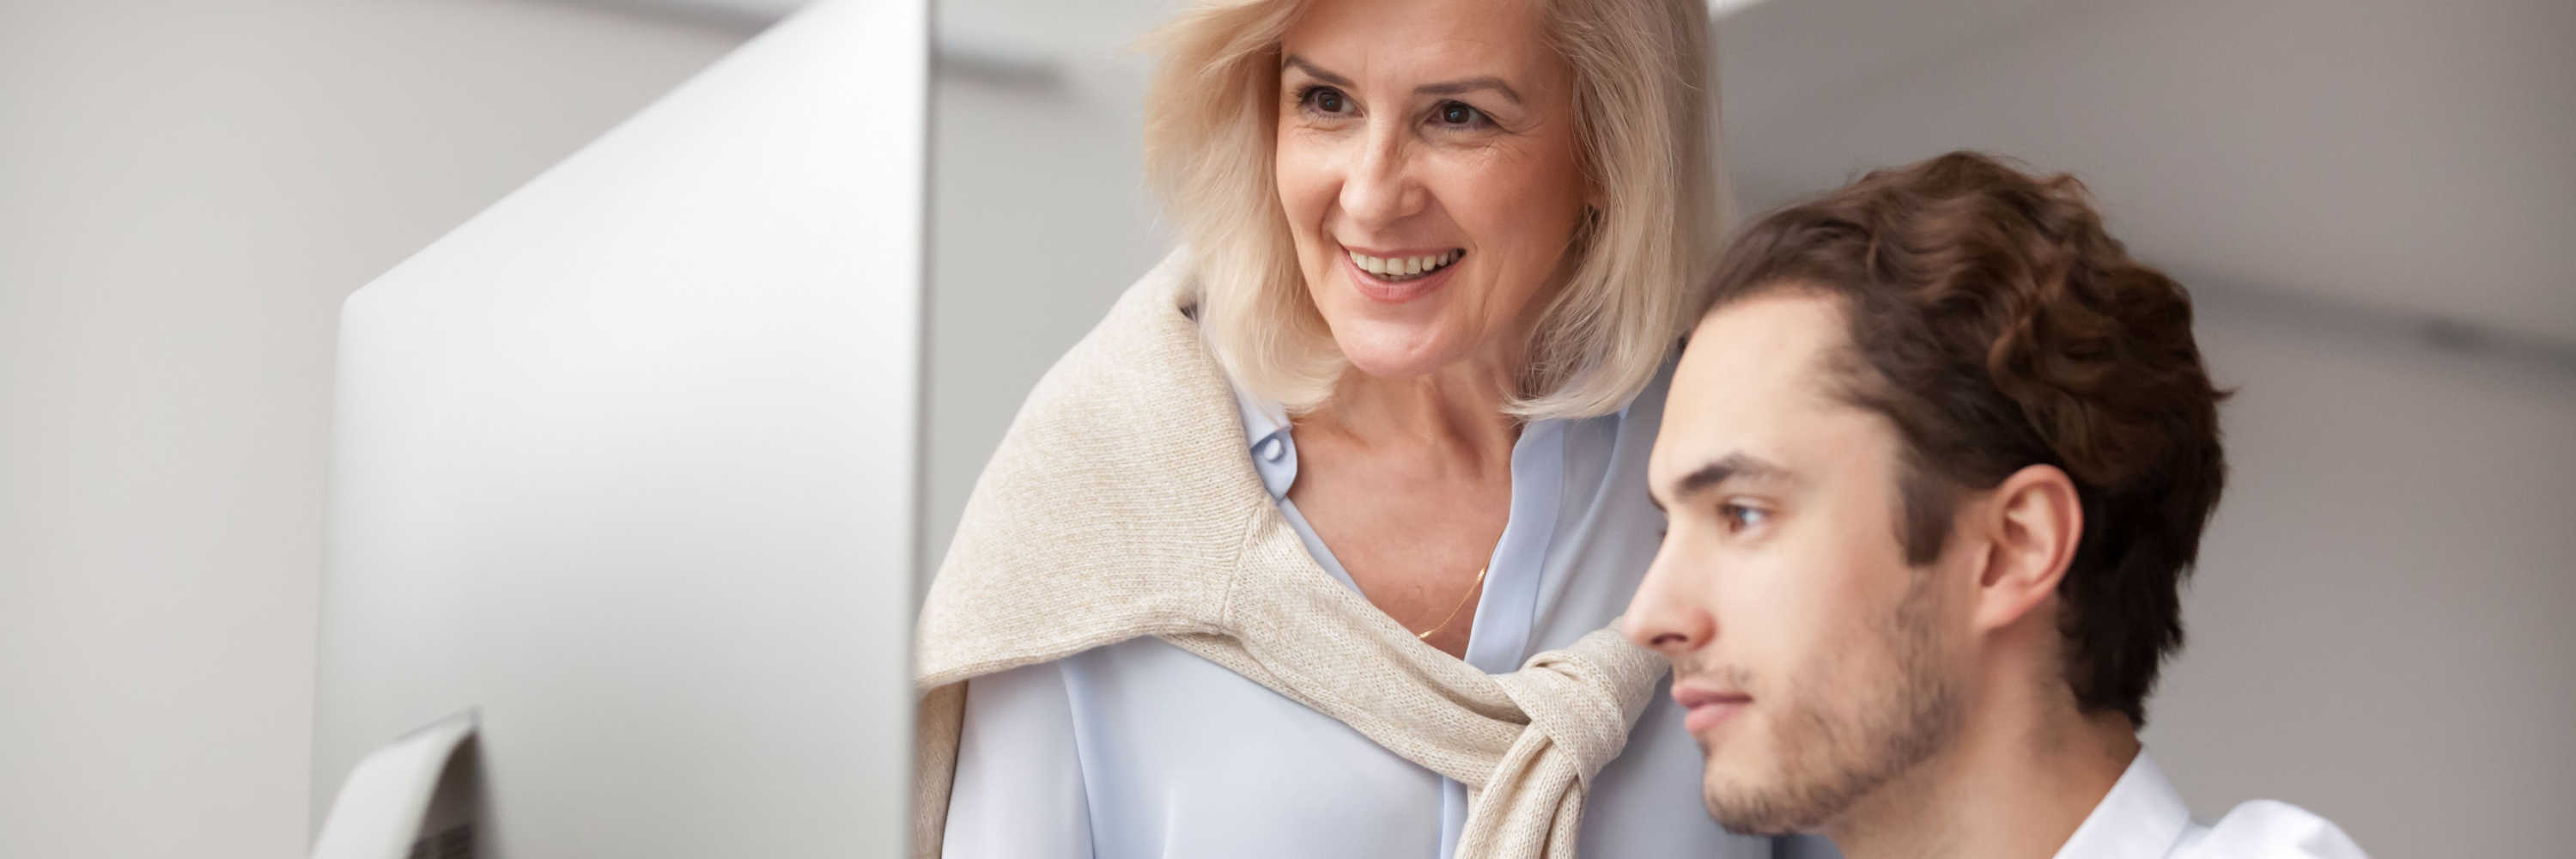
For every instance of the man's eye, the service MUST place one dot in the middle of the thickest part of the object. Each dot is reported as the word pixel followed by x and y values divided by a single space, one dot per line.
pixel 1740 518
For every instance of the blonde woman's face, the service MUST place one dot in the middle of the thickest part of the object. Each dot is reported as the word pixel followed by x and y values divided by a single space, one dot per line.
pixel 1427 165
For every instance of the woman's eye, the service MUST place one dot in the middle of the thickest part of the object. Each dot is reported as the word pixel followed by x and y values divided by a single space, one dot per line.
pixel 1325 100
pixel 1458 114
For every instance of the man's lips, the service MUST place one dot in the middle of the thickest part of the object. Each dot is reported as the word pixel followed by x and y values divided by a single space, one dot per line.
pixel 1707 706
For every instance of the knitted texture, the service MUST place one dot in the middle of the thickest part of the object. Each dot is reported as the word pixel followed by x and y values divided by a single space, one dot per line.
pixel 1122 504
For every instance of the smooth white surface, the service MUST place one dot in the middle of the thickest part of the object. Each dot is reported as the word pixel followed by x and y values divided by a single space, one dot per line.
pixel 379 809
pixel 187 192
pixel 627 462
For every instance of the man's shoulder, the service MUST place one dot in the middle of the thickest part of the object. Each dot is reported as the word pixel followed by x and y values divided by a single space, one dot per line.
pixel 2268 828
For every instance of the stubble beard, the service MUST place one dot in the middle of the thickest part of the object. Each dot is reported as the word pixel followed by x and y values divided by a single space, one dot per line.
pixel 1828 761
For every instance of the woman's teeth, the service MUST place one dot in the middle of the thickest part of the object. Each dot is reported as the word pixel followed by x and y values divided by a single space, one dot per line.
pixel 1402 268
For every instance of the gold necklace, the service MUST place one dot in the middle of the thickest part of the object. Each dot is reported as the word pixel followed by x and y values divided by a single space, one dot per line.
pixel 1425 635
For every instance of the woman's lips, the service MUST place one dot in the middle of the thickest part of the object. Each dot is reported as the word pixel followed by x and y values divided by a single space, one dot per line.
pixel 1385 291
pixel 1707 708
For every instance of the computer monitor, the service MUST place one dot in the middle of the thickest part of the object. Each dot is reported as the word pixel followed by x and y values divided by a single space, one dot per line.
pixel 627 465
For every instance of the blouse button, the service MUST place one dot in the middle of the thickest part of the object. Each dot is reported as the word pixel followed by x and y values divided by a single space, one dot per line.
pixel 1272 448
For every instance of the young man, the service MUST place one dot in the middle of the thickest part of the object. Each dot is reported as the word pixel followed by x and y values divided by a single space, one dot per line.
pixel 1935 463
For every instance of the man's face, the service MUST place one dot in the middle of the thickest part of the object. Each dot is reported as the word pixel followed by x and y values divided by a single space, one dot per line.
pixel 1816 665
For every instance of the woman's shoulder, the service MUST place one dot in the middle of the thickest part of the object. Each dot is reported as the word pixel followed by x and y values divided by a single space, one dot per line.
pixel 1118 496
pixel 1136 417
pixel 1143 359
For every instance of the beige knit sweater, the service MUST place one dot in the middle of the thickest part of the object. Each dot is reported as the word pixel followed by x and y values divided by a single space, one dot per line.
pixel 1122 504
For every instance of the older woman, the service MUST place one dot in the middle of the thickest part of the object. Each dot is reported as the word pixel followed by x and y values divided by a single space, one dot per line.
pixel 1304 550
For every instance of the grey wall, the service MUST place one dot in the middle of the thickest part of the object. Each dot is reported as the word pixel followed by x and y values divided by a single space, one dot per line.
pixel 186 193
pixel 1039 215
pixel 2390 154
pixel 2378 627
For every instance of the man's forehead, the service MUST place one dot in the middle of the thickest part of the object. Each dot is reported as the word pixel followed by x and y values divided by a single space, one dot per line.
pixel 1782 317
pixel 1763 354
pixel 1755 378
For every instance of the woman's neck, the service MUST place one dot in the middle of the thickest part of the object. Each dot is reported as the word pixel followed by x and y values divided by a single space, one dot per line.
pixel 1457 410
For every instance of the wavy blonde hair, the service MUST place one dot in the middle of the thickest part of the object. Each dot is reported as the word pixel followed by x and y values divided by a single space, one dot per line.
pixel 1646 123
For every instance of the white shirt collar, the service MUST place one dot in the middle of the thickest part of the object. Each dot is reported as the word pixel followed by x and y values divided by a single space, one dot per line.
pixel 2141 818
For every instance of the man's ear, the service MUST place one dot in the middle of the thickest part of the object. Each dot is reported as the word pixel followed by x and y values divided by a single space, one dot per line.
pixel 2032 521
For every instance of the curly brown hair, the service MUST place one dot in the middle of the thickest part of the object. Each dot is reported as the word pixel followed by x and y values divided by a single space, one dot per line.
pixel 1998 326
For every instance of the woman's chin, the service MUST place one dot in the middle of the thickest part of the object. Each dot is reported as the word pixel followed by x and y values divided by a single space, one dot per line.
pixel 1396 357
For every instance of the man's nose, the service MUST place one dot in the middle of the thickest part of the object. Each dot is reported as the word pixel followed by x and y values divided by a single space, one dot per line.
pixel 1665 615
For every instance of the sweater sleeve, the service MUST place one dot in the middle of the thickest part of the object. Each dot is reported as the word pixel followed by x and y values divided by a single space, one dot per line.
pixel 1019 788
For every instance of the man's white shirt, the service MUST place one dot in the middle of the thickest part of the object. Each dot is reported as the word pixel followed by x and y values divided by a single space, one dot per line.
pixel 2144 818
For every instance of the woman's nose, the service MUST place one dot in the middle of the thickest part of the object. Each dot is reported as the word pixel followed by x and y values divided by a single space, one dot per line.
pixel 1665 616
pixel 1380 188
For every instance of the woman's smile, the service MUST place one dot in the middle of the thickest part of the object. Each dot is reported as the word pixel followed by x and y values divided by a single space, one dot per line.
pixel 1397 277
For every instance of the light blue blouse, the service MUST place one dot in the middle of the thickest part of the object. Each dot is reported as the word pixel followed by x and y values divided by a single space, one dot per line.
pixel 1140 749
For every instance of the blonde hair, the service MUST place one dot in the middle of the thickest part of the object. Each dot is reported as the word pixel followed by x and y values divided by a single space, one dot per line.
pixel 1646 121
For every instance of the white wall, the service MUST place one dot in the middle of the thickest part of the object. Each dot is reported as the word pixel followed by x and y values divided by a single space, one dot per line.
pixel 186 193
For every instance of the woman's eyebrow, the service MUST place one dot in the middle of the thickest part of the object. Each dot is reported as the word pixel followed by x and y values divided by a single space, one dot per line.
pixel 1459 87
pixel 1315 71
pixel 1456 87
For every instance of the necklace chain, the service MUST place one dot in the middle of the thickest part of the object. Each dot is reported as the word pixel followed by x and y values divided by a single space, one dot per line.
pixel 1425 635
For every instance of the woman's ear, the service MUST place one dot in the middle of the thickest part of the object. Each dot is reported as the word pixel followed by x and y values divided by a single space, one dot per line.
pixel 2033 520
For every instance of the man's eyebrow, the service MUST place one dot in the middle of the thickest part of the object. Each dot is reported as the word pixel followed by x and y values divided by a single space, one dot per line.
pixel 1315 71
pixel 1731 467
pixel 1456 87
